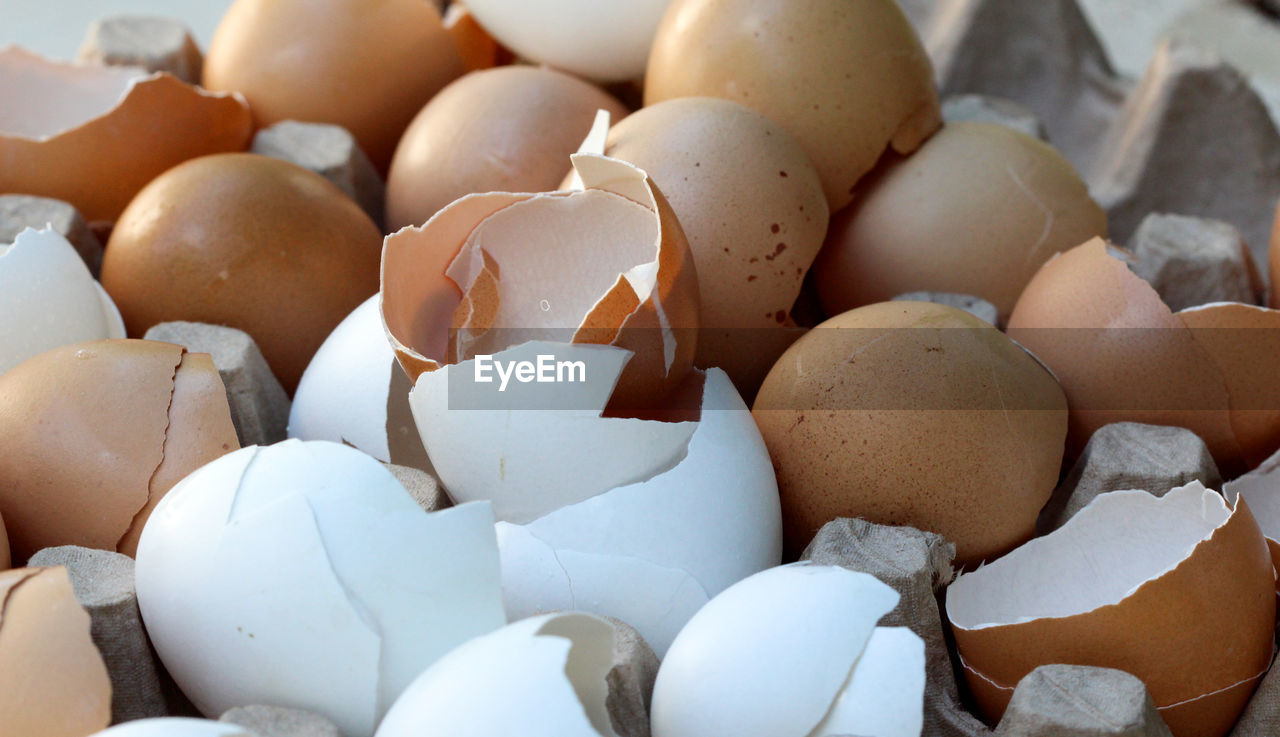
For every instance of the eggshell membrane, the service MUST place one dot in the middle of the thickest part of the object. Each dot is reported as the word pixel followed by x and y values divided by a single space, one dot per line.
pixel 175 727
pixel 343 62
pixel 848 80
pixel 1171 562
pixel 911 413
pixel 753 210
pixel 247 241
pixel 428 275
pixel 539 677
pixel 94 136
pixel 53 682
pixel 509 129
pixel 74 477
pixel 49 299
pixel 887 243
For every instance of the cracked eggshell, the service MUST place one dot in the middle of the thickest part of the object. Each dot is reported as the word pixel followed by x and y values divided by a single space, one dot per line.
pixel 539 677
pixel 94 135
pixel 607 265
pixel 74 476
pixel 913 413
pixel 793 650
pixel 303 575
pixel 49 298
pixel 354 393
pixel 53 682
pixel 1103 331
pixel 1132 582
pixel 848 80
pixel 366 67
pixel 886 243
pixel 1260 489
pixel 175 727
pixel 509 129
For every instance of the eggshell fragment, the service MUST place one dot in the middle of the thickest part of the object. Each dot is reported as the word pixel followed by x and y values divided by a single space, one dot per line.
pixel 73 477
pixel 1260 489
pixel 1129 583
pixel 52 680
pixel 509 129
pixel 175 727
pixel 363 590
pixel 793 650
pixel 848 80
pixel 94 136
pixel 49 299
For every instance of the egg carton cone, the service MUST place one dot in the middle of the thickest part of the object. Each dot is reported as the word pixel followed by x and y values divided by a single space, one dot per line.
pixel 20 211
pixel 330 151
pixel 422 486
pixel 153 43
pixel 1195 261
pixel 277 721
pixel 1080 701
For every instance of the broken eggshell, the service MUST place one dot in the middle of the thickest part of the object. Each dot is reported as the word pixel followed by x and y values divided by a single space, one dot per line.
pixel 1133 582
pixel 1260 489
pixel 48 298
pixel 73 477
pixel 793 650
pixel 362 592
pixel 94 135
pixel 175 727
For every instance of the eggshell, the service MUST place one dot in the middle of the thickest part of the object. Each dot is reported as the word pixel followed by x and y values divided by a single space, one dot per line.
pixel 52 679
pixel 73 476
pixel 94 136
pixel 362 592
pixel 608 265
pixel 539 677
pixel 509 129
pixel 366 67
pixel 1132 582
pixel 175 727
pixel 753 210
pixel 848 80
pixel 5 560
pixel 49 299
pixel 1260 488
pixel 475 46
pixel 926 223
pixel 247 241
pixel 793 650
pixel 607 42
pixel 913 413
pixel 1274 261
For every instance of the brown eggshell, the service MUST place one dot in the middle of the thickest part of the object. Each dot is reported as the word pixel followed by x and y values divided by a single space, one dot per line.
pixel 476 47
pixel 509 129
pixel 73 475
pixel 848 80
pixel 5 561
pixel 432 300
pixel 753 210
pixel 368 67
pixel 94 136
pixel 912 413
pixel 53 682
pixel 248 241
pixel 925 223
pixel 1167 630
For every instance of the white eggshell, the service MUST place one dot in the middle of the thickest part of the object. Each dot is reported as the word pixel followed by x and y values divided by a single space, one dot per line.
pixel 175 727
pixel 885 692
pixel 607 42
pixel 539 677
pixel 772 654
pixel 48 299
pixel 303 575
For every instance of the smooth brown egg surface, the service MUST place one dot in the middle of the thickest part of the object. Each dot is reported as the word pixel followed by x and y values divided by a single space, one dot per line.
pixel 366 65
pixel 247 241
pixel 509 129
pixel 912 413
pixel 847 79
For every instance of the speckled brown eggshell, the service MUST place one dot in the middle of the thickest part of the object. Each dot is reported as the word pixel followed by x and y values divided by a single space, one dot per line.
pixel 912 413
pixel 847 79
pixel 248 241
pixel 977 210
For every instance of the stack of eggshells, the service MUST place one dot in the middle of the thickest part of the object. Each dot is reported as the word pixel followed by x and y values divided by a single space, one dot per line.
pixel 634 317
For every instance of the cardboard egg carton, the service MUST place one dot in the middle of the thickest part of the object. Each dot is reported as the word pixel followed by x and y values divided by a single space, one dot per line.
pixel 153 43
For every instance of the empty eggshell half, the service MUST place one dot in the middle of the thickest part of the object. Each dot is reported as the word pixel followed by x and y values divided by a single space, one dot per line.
pixel 540 677
pixel 175 727
pixel 304 575
pixel 607 265
pixel 1133 582
pixel 48 298
pixel 1260 489
pixel 354 393
pixel 95 434
pixel 95 135
pixel 793 650
pixel 53 682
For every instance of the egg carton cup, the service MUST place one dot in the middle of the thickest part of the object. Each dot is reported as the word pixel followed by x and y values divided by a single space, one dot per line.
pixel 20 211
pixel 152 43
